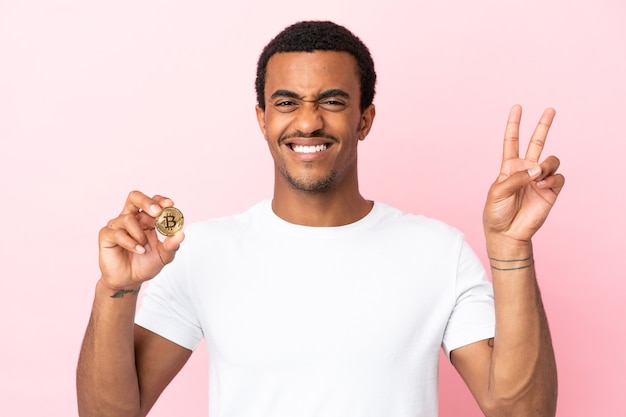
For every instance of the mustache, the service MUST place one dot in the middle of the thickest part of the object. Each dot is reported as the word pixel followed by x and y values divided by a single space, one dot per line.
pixel 315 134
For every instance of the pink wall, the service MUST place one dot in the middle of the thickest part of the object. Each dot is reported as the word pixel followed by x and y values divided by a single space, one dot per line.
pixel 98 98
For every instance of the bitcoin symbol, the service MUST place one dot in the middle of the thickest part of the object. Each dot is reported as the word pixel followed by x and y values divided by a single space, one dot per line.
pixel 169 221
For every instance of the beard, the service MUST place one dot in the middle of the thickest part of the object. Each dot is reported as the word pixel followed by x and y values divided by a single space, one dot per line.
pixel 312 185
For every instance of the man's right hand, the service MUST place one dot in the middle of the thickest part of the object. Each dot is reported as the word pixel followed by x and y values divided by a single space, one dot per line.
pixel 130 251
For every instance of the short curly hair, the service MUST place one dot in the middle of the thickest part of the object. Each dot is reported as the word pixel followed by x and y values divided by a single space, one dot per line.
pixel 309 36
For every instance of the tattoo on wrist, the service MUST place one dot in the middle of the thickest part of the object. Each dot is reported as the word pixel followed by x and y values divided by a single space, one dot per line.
pixel 509 261
pixel 122 293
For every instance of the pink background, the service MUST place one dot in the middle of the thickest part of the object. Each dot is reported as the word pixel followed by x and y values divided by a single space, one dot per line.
pixel 99 98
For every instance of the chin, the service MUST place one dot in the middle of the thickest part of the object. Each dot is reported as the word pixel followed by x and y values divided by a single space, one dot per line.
pixel 313 185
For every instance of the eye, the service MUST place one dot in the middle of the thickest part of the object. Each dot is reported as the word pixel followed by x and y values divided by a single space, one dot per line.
pixel 285 106
pixel 332 105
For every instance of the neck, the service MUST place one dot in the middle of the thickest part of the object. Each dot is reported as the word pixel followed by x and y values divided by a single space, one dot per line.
pixel 320 209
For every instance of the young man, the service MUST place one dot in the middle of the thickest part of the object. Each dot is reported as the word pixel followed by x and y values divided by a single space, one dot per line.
pixel 321 302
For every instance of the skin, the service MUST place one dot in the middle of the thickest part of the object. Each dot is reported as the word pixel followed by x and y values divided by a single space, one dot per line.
pixel 123 368
pixel 516 377
pixel 312 100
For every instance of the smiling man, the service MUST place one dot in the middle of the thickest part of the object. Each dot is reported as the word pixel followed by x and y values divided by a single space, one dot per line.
pixel 312 120
pixel 320 302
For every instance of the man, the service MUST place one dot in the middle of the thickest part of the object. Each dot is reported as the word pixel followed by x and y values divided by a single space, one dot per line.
pixel 321 302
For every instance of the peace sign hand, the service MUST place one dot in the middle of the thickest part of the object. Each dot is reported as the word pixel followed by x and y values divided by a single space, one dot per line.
pixel 522 196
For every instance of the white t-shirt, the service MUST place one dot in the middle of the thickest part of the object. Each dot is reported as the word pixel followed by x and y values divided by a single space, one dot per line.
pixel 322 321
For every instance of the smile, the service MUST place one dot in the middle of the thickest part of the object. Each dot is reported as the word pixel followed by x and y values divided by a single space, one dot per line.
pixel 308 149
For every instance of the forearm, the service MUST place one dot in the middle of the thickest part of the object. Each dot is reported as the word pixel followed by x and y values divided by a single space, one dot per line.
pixel 107 383
pixel 523 376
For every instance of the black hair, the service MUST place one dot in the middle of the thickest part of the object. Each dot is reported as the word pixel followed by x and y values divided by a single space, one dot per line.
pixel 309 36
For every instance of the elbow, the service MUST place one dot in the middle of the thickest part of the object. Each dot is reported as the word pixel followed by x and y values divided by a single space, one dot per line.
pixel 93 410
pixel 90 405
pixel 513 408
pixel 94 400
pixel 526 390
pixel 533 399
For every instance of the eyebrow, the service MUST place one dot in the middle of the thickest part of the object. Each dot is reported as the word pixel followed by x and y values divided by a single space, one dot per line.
pixel 333 92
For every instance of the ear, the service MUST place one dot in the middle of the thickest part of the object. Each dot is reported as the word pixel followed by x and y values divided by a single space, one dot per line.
pixel 367 120
pixel 260 118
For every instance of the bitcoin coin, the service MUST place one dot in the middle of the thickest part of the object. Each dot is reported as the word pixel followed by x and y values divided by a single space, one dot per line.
pixel 170 221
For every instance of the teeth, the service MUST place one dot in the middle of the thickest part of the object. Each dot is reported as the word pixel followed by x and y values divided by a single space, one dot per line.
pixel 308 149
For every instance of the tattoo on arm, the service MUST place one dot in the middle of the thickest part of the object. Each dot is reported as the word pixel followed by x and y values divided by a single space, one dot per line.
pixel 511 260
pixel 512 269
pixel 507 264
pixel 490 342
pixel 122 293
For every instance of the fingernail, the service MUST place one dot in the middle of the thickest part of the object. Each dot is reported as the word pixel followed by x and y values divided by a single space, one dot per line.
pixel 140 249
pixel 154 209
pixel 534 171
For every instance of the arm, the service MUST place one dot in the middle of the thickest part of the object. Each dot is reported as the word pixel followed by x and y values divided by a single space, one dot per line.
pixel 123 368
pixel 514 374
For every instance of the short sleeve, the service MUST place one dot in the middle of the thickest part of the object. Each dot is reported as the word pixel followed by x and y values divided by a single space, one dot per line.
pixel 473 316
pixel 167 309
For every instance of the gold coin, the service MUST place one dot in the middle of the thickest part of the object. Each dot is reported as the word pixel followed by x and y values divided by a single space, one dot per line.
pixel 170 221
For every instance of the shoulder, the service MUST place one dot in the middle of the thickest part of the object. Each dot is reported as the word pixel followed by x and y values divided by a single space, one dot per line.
pixel 406 222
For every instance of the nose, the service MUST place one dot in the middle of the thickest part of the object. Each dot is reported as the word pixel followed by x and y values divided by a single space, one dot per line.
pixel 308 118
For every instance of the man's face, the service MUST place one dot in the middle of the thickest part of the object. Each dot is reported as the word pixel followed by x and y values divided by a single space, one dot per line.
pixel 312 121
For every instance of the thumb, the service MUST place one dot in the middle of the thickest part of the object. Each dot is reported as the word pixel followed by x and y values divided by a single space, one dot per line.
pixel 516 181
pixel 170 245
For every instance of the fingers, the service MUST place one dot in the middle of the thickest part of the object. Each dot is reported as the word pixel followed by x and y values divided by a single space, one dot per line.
pixel 549 167
pixel 130 236
pixel 130 229
pixel 127 231
pixel 554 183
pixel 549 179
pixel 138 201
pixel 511 134
pixel 538 139
pixel 112 237
pixel 544 176
pixel 513 183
